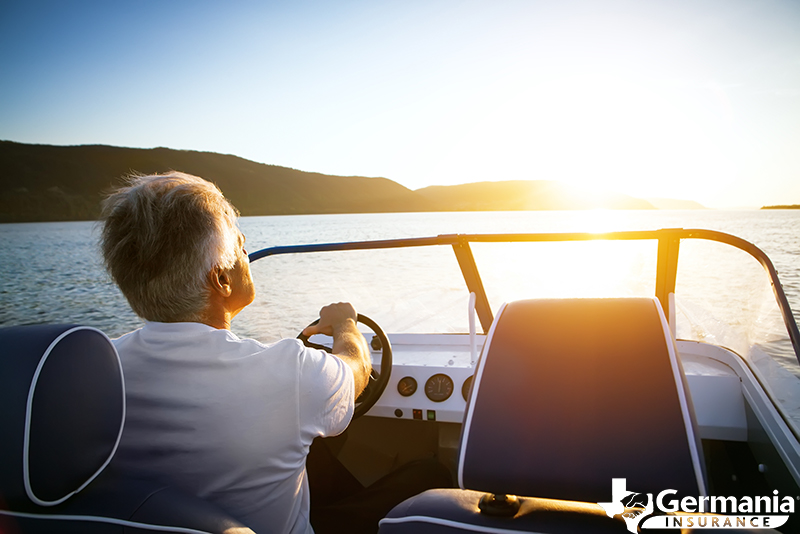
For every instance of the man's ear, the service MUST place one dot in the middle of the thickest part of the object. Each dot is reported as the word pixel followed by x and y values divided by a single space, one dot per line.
pixel 220 281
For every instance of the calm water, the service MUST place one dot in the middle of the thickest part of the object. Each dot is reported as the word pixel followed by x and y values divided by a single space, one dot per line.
pixel 53 272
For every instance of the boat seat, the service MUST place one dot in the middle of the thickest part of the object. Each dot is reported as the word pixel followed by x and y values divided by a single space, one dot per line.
pixel 62 412
pixel 568 395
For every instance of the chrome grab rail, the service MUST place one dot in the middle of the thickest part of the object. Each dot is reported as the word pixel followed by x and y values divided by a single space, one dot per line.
pixel 666 270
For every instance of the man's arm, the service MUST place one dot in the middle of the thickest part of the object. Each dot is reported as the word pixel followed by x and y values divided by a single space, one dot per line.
pixel 339 320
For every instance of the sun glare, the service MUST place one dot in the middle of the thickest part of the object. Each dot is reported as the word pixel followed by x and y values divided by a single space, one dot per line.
pixel 613 134
pixel 567 270
pixel 597 221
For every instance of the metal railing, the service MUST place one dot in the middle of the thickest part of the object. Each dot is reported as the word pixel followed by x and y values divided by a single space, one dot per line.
pixel 669 240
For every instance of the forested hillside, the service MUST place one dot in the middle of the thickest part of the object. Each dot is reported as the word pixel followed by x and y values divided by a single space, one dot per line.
pixel 61 183
pixel 51 183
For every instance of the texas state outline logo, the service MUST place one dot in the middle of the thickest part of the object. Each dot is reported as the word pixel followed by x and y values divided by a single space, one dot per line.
pixel 633 507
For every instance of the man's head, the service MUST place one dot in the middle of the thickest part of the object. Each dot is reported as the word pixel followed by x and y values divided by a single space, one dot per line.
pixel 166 240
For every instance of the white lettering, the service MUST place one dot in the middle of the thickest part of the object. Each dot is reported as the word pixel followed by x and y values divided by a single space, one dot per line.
pixel 719 505
pixel 712 521
pixel 787 506
pixel 672 505
pixel 740 510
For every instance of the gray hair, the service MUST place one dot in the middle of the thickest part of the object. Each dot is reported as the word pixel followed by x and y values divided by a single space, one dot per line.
pixel 161 236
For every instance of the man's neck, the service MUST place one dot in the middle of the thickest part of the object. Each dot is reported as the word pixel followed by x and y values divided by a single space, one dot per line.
pixel 217 318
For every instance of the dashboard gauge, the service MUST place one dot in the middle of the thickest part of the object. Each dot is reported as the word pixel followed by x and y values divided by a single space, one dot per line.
pixel 407 386
pixel 465 389
pixel 439 387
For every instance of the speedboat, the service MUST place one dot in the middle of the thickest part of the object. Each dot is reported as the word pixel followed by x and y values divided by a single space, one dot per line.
pixel 672 403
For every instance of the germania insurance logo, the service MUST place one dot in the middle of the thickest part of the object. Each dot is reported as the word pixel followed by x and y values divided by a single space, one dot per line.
pixel 695 512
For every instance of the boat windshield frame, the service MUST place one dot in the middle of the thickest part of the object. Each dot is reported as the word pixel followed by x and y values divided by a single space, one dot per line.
pixel 669 240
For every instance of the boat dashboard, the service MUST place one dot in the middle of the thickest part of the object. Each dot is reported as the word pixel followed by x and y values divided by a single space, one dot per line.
pixel 431 377
pixel 432 374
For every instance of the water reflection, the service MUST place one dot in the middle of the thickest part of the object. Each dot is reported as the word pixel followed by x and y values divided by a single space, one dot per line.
pixel 54 274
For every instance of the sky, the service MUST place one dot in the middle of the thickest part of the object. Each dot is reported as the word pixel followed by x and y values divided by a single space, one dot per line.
pixel 694 100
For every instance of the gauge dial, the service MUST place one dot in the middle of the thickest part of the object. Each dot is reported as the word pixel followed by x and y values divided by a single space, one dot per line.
pixel 439 387
pixel 466 387
pixel 407 386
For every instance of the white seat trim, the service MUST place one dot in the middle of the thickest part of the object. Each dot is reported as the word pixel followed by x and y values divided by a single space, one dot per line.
pixel 450 523
pixel 471 407
pixel 679 384
pixel 29 414
pixel 110 520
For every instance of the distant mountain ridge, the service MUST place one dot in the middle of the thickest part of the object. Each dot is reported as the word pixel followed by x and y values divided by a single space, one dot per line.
pixel 525 195
pixel 57 183
pixel 674 204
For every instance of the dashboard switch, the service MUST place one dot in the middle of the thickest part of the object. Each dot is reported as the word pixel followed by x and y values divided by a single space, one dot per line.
pixel 417 414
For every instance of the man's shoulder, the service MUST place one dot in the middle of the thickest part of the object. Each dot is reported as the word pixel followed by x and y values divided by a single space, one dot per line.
pixel 284 346
pixel 199 336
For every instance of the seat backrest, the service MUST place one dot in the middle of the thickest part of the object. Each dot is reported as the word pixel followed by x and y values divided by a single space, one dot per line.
pixel 62 410
pixel 571 393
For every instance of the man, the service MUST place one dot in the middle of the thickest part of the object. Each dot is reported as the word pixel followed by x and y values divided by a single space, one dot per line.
pixel 228 419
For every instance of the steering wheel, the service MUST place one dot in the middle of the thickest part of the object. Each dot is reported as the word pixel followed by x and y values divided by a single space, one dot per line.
pixel 377 381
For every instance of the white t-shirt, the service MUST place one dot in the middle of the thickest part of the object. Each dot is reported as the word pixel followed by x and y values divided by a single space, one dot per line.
pixel 230 419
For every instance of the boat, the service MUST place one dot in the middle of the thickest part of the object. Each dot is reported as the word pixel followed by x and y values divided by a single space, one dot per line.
pixel 579 413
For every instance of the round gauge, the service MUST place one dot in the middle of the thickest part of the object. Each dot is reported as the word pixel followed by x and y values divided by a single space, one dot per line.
pixel 466 387
pixel 407 386
pixel 439 387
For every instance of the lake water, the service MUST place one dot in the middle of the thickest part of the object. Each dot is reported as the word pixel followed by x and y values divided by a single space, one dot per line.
pixel 53 272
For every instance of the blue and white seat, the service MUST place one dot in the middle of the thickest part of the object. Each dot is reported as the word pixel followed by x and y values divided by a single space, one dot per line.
pixel 62 412
pixel 568 395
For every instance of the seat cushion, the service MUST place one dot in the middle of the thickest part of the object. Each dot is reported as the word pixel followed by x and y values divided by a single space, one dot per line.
pixel 114 502
pixel 442 511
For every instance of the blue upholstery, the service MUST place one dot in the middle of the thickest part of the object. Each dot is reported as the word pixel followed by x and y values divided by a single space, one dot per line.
pixel 568 394
pixel 572 393
pixel 451 510
pixel 62 411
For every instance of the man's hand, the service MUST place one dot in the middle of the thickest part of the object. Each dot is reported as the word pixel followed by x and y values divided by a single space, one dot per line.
pixel 331 316
pixel 339 320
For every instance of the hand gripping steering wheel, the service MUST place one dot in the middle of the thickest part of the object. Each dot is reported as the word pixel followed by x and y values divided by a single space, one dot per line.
pixel 377 381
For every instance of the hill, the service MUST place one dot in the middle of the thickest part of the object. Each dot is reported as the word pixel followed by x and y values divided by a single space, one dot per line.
pixel 524 195
pixel 51 183
pixel 673 204
pixel 58 183
pixel 782 207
